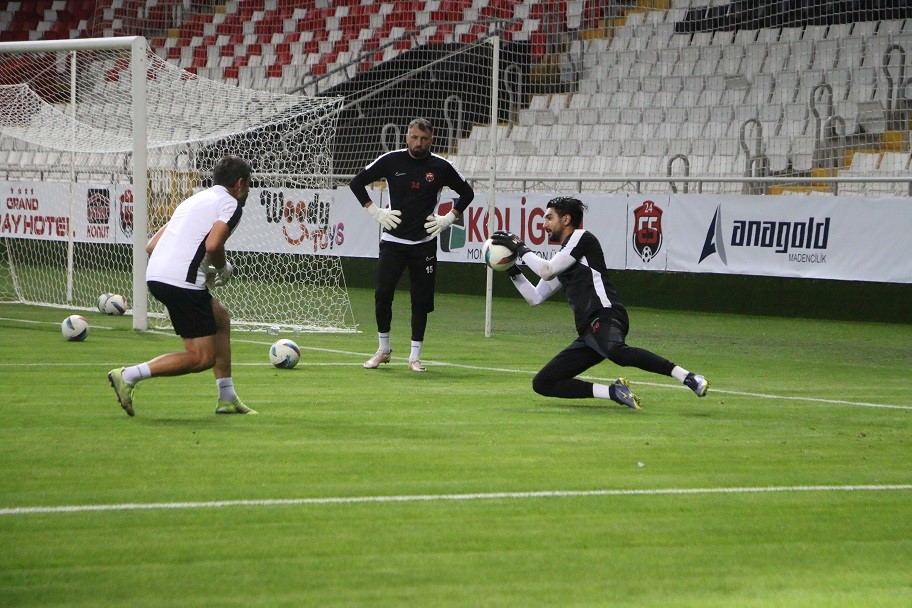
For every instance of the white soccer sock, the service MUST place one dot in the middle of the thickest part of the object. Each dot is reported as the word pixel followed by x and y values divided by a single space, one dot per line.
pixel 601 391
pixel 415 355
pixel 135 373
pixel 226 389
pixel 384 342
pixel 679 373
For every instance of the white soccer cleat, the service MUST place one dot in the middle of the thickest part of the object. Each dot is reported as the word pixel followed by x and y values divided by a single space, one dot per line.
pixel 697 383
pixel 415 366
pixel 378 358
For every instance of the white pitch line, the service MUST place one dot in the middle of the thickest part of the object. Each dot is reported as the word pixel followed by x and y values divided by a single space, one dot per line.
pixel 33 322
pixel 413 498
pixel 713 390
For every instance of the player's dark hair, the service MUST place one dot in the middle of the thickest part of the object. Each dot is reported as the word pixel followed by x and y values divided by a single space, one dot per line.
pixel 229 170
pixel 422 123
pixel 567 205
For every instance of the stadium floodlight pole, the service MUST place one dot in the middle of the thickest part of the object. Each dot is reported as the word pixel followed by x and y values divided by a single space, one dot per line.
pixel 492 167
pixel 138 68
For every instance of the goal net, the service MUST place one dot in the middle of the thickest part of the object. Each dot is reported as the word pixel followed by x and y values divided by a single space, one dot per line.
pixel 103 139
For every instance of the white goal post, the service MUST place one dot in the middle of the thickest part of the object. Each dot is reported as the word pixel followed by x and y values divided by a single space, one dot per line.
pixel 136 46
pixel 82 120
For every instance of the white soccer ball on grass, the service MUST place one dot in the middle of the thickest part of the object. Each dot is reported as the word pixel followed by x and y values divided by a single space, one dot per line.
pixel 497 257
pixel 102 299
pixel 75 328
pixel 116 304
pixel 284 354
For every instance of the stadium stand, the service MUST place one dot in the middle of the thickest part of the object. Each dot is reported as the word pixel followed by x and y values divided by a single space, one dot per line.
pixel 744 88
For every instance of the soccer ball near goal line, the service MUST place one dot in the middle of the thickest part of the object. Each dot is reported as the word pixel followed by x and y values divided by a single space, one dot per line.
pixel 75 328
pixel 102 299
pixel 497 257
pixel 284 354
pixel 112 304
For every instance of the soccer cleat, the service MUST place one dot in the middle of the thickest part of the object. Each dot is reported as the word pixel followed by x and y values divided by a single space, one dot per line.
pixel 415 366
pixel 697 384
pixel 123 390
pixel 622 394
pixel 233 407
pixel 378 358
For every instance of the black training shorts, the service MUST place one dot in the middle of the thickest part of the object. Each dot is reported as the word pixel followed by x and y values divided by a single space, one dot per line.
pixel 190 309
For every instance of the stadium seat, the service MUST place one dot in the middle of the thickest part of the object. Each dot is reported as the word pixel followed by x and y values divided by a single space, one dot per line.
pixel 864 163
pixel 890 27
pixel 802 152
pixel 894 163
pixel 645 66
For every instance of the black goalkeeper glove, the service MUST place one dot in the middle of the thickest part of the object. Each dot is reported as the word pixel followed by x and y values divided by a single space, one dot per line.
pixel 514 271
pixel 511 242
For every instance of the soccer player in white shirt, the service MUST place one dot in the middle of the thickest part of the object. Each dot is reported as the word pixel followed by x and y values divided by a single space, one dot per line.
pixel 182 253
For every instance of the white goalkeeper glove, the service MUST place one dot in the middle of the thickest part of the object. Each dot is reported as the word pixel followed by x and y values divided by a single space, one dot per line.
pixel 216 277
pixel 223 274
pixel 438 223
pixel 388 218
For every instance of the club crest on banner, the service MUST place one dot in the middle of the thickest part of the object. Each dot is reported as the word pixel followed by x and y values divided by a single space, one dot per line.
pixel 647 230
pixel 126 212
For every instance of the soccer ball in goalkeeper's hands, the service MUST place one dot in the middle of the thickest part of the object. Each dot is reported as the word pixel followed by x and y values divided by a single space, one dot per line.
pixel 284 354
pixel 497 257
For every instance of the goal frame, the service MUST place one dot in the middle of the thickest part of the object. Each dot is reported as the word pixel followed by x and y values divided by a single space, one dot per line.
pixel 138 48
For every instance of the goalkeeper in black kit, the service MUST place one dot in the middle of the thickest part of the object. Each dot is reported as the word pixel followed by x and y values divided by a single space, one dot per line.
pixel 601 319
pixel 414 177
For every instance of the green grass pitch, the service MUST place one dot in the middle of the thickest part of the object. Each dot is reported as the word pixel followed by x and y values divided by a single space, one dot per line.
pixel 790 484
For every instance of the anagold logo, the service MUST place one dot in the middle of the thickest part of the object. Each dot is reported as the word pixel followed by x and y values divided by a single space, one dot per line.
pixel 777 235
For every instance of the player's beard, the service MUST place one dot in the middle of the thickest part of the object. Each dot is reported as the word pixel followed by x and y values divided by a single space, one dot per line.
pixel 419 152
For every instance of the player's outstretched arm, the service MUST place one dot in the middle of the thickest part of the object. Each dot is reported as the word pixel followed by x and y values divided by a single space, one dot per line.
pixel 533 294
pixel 547 270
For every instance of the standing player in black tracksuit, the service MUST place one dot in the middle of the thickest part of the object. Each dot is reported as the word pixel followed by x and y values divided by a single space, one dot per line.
pixel 414 177
pixel 601 319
